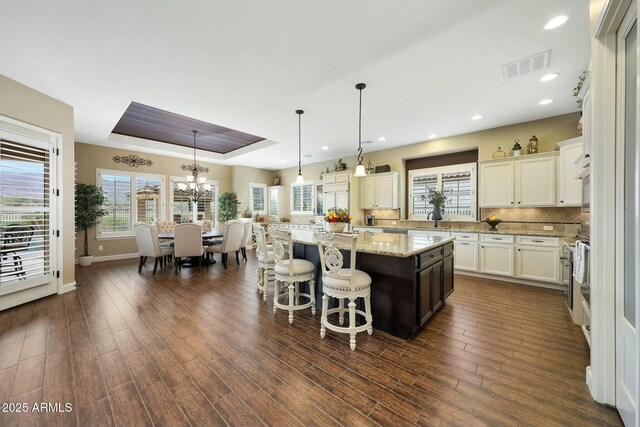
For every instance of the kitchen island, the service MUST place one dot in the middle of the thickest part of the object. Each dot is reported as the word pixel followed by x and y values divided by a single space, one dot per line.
pixel 411 276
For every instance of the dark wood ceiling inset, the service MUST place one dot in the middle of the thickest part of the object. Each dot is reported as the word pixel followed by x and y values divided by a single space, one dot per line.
pixel 143 121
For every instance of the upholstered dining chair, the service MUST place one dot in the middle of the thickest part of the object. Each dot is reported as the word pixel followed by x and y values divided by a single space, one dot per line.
pixel 187 243
pixel 166 226
pixel 343 282
pixel 231 237
pixel 246 238
pixel 292 271
pixel 149 245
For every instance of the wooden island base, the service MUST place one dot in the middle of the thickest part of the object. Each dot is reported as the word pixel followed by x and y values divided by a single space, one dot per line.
pixel 405 292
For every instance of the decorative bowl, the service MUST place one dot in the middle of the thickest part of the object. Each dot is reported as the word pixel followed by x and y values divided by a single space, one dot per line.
pixel 492 224
pixel 336 227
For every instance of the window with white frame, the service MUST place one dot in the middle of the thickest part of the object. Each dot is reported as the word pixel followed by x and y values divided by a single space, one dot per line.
pixel 458 182
pixel 302 198
pixel 258 198
pixel 131 198
pixel 182 207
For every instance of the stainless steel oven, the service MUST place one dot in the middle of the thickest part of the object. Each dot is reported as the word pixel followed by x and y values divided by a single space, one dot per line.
pixel 566 264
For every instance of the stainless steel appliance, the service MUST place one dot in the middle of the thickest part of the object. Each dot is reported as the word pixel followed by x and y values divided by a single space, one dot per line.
pixel 369 219
pixel 566 263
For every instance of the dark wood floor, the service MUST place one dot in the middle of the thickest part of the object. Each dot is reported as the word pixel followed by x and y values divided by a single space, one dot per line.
pixel 201 348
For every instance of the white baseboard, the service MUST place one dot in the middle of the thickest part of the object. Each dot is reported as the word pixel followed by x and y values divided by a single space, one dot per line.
pixel 509 279
pixel 113 257
pixel 68 287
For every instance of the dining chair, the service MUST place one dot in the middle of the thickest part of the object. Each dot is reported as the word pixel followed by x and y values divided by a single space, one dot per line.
pixel 15 238
pixel 187 243
pixel 165 226
pixel 343 283
pixel 149 245
pixel 266 259
pixel 231 237
pixel 292 271
pixel 246 238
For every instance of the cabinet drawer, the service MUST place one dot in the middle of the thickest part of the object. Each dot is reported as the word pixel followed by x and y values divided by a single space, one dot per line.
pixel 466 236
pixel 539 241
pixel 344 177
pixel 447 249
pixel 426 259
pixel 497 238
pixel 329 179
pixel 339 186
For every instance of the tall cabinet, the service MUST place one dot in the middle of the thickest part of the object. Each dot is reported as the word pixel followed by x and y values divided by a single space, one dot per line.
pixel 336 187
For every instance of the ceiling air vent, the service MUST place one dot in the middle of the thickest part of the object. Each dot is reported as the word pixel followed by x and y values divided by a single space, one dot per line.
pixel 526 65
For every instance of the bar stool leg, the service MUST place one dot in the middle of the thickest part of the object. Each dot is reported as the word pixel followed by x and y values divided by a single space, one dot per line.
pixel 276 293
pixel 367 309
pixel 312 292
pixel 352 323
pixel 292 288
pixel 341 312
pixel 265 282
pixel 323 319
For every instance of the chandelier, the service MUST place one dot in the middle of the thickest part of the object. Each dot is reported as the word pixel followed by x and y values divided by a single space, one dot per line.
pixel 196 187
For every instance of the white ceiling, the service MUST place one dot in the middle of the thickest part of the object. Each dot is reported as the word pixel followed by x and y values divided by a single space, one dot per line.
pixel 248 65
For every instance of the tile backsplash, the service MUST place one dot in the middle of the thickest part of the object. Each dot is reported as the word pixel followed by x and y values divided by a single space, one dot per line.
pixel 550 214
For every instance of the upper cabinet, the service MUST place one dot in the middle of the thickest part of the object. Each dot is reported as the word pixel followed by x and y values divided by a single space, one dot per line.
pixel 568 170
pixel 524 181
pixel 336 190
pixel 496 184
pixel 379 191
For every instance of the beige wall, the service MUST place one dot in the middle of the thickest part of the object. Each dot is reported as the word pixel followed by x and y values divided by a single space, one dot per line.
pixel 242 177
pixel 548 131
pixel 30 106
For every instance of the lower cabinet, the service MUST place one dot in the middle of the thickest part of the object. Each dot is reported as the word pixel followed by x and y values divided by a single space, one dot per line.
pixel 538 263
pixel 496 258
pixel 466 256
pixel 434 281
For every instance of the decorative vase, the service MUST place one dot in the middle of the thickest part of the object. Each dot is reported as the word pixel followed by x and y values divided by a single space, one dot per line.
pixel 437 214
pixel 85 261
pixel 336 227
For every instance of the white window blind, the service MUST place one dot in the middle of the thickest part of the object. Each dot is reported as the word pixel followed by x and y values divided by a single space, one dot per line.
pixel 258 198
pixel 26 214
pixel 302 200
pixel 131 198
pixel 458 182
pixel 182 208
pixel 273 203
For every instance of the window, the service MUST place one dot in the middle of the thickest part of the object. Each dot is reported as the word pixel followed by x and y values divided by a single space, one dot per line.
pixel 302 198
pixel 258 198
pixel 131 198
pixel 182 208
pixel 458 183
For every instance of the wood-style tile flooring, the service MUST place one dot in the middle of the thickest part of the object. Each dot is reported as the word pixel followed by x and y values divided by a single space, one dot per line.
pixel 201 348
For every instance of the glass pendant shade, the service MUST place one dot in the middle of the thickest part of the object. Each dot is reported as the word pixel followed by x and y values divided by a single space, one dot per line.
pixel 360 172
pixel 299 179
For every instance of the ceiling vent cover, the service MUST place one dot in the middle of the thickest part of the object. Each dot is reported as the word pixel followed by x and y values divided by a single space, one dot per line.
pixel 526 65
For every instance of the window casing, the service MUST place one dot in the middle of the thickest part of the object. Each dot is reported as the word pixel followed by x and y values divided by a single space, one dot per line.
pixel 131 198
pixel 258 198
pixel 459 185
pixel 182 208
pixel 302 198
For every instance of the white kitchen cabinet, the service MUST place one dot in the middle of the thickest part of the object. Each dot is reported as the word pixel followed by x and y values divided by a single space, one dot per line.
pixel 336 177
pixel 336 199
pixel 496 184
pixel 379 191
pixel 538 258
pixel 465 255
pixel 496 255
pixel 275 197
pixel 535 181
pixel 568 169
pixel 539 263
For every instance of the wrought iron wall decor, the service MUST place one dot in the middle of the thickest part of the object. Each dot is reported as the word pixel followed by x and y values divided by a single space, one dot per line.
pixel 132 160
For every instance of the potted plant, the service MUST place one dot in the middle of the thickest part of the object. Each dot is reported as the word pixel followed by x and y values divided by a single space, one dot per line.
pixel 228 206
pixel 336 219
pixel 89 202
pixel 339 166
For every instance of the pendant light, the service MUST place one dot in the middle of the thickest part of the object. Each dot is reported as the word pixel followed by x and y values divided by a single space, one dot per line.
pixel 360 171
pixel 299 179
pixel 196 187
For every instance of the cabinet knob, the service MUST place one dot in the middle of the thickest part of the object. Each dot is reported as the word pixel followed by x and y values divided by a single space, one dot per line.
pixel 561 201
pixel 511 202
pixel 586 156
pixel 518 202
pixel 518 250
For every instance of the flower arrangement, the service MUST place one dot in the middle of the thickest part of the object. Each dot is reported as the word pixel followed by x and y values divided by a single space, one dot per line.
pixel 337 215
pixel 436 197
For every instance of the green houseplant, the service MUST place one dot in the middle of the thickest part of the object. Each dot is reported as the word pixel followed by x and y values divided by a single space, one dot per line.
pixel 228 206
pixel 89 202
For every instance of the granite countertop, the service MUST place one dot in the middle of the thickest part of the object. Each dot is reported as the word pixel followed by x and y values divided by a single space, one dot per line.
pixel 397 245
pixel 466 230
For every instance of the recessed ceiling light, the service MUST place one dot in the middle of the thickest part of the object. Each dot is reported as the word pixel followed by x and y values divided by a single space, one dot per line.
pixel 556 22
pixel 476 117
pixel 433 135
pixel 325 148
pixel 549 77
pixel 382 138
pixel 545 101
pixel 281 161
